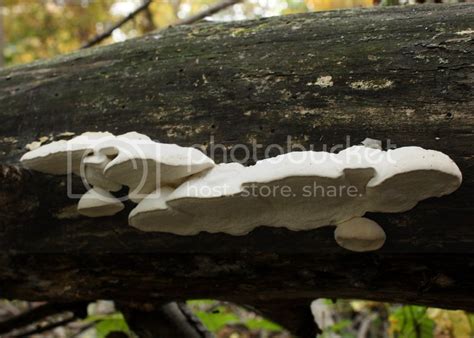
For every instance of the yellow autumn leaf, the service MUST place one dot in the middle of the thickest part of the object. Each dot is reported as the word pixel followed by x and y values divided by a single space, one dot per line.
pixel 454 322
pixel 164 14
pixel 326 5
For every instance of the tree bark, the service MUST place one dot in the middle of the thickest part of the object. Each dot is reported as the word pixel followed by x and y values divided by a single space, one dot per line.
pixel 399 74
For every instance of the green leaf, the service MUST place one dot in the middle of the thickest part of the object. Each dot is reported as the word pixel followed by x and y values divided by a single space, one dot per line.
pixel 109 323
pixel 216 317
pixel 262 324
pixel 411 321
pixel 339 326
pixel 216 321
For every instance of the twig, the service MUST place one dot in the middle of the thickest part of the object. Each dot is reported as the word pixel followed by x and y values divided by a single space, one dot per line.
pixel 207 12
pixel 85 328
pixel 38 313
pixel 193 320
pixel 48 327
pixel 189 20
pixel 109 32
pixel 365 326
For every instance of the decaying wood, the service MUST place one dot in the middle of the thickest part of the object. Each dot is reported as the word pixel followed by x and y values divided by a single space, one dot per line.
pixel 403 74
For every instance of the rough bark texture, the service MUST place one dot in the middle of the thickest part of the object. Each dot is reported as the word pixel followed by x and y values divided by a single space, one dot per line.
pixel 403 74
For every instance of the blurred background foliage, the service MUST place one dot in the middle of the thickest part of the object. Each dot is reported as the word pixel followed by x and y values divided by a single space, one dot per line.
pixel 337 319
pixel 35 29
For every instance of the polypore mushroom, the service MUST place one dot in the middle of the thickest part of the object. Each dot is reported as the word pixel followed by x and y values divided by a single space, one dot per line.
pixel 98 202
pixel 63 157
pixel 183 192
pixel 372 143
pixel 299 191
pixel 196 205
pixel 107 162
pixel 359 234
pixel 51 158
pixel 144 165
pixel 94 172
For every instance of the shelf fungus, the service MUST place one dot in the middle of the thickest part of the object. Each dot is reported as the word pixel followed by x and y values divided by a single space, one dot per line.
pixel 359 234
pixel 181 191
pixel 107 162
pixel 63 157
pixel 144 165
pixel 98 202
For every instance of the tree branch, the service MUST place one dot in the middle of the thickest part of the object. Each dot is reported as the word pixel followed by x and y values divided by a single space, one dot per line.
pixel 163 320
pixel 45 328
pixel 207 12
pixel 40 312
pixel 107 33
pixel 193 18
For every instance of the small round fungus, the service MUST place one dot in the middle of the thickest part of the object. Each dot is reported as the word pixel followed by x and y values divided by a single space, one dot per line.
pixel 98 202
pixel 359 234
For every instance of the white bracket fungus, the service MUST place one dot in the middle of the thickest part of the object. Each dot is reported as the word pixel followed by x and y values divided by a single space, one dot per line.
pixel 359 234
pixel 181 191
pixel 144 165
pixel 63 157
pixel 108 162
pixel 98 202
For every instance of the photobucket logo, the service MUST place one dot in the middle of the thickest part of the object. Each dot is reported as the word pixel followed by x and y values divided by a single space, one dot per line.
pixel 297 153
pixel 109 163
pixel 312 190
pixel 208 191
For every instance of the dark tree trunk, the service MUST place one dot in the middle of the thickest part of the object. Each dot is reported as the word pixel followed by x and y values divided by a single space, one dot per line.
pixel 163 321
pixel 400 74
